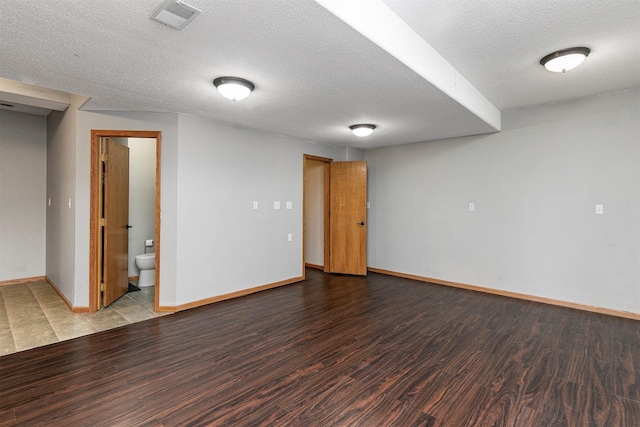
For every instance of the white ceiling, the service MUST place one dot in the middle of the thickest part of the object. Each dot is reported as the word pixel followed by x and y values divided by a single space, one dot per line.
pixel 315 73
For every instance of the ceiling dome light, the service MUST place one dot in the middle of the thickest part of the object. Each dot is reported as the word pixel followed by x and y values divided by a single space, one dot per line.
pixel 565 60
pixel 234 88
pixel 362 130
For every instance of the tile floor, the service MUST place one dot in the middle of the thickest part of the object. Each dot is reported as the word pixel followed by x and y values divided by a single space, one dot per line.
pixel 33 315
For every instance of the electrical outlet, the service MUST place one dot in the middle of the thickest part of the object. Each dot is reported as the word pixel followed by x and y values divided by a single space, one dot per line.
pixel 289 205
pixel 276 205
pixel 472 207
pixel 255 204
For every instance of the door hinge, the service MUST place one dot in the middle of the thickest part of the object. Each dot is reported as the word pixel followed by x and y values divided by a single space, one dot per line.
pixel 101 286
pixel 103 157
pixel 103 222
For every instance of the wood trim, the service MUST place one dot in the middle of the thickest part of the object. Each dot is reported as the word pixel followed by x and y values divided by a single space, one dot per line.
pixel 125 133
pixel 232 295
pixel 509 294
pixel 23 280
pixel 327 215
pixel 66 301
pixel 318 158
pixel 316 266
pixel 156 249
pixel 94 211
pixel 304 211
pixel 95 190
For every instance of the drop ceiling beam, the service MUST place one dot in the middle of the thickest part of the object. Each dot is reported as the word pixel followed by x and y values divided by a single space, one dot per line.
pixel 13 92
pixel 378 23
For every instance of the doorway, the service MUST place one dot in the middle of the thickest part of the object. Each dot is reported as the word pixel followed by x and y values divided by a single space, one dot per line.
pixel 97 218
pixel 316 201
pixel 335 215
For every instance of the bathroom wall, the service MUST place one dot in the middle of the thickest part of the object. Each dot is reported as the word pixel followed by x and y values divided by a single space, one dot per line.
pixel 23 183
pixel 142 197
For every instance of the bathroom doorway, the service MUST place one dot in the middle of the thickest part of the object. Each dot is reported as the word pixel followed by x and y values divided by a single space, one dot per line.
pixel 102 287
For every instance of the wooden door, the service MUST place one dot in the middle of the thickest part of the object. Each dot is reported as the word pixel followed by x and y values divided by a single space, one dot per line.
pixel 348 235
pixel 116 215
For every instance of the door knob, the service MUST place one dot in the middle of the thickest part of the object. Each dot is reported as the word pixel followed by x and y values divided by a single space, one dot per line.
pixel 128 226
pixel 361 223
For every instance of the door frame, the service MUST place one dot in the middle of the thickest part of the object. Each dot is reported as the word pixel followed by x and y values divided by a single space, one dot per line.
pixel 327 208
pixel 95 235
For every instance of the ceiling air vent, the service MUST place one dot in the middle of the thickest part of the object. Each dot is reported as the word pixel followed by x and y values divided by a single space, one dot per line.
pixel 175 14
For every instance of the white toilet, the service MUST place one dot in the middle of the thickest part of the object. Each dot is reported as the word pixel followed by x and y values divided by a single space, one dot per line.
pixel 147 265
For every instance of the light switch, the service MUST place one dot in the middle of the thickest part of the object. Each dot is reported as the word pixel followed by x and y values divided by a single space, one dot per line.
pixel 368 205
pixel 289 237
pixel 289 205
pixel 255 204
pixel 49 201
pixel 472 207
pixel 276 205
pixel 69 204
pixel 599 209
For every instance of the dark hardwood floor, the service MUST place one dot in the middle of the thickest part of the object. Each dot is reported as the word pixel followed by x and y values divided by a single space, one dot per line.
pixel 338 351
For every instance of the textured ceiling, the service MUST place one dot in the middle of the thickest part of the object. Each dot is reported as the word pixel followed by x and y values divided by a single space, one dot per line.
pixel 315 74
pixel 497 45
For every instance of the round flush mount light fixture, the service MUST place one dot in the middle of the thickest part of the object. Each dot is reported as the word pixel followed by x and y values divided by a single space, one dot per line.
pixel 234 88
pixel 565 60
pixel 362 130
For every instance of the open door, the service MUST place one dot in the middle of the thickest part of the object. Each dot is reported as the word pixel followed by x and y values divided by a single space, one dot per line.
pixel 348 217
pixel 116 218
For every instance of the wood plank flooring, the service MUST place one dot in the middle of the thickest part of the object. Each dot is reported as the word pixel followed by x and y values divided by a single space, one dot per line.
pixel 338 351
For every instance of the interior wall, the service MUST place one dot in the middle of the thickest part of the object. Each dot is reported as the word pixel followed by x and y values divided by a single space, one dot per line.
pixel 346 153
pixel 142 197
pixel 535 186
pixel 213 242
pixel 61 189
pixel 314 212
pixel 23 181
pixel 225 245
pixel 354 154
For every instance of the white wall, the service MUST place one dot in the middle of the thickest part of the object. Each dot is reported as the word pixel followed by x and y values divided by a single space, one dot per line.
pixel 225 245
pixel 212 242
pixel 61 187
pixel 142 197
pixel 346 153
pixel 314 212
pixel 535 186
pixel 23 174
